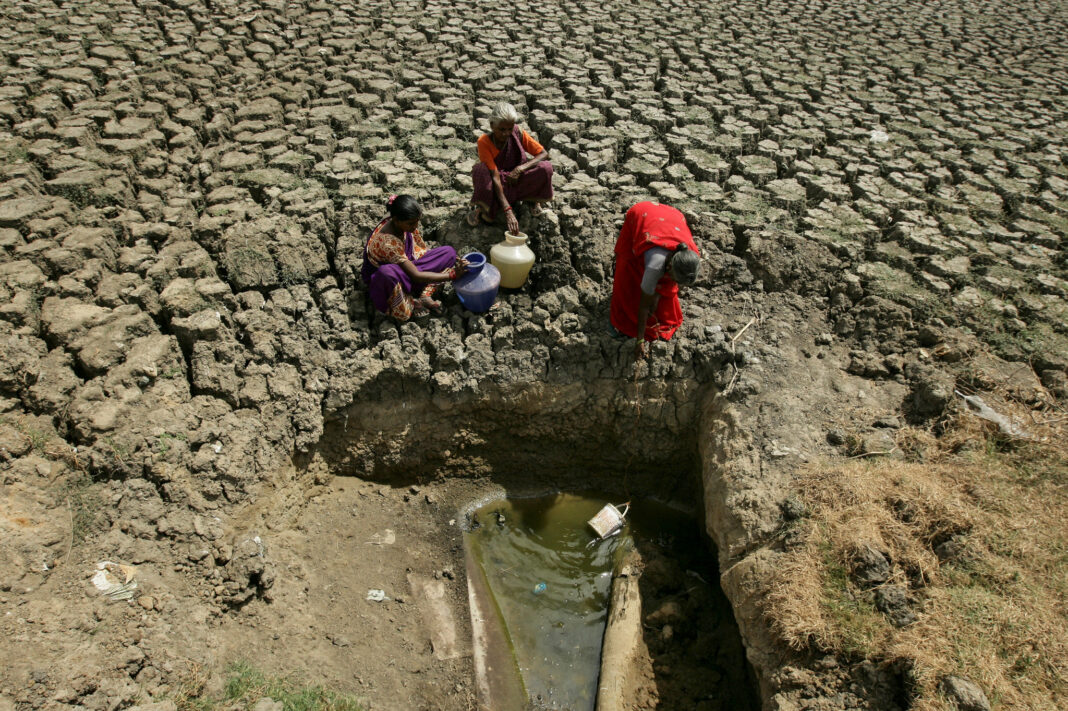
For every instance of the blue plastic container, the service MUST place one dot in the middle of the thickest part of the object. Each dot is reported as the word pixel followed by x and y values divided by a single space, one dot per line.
pixel 477 288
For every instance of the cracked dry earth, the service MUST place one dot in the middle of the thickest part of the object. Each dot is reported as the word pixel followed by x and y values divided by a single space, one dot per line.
pixel 192 383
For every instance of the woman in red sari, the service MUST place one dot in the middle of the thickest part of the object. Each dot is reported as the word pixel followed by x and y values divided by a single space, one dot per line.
pixel 655 253
pixel 504 175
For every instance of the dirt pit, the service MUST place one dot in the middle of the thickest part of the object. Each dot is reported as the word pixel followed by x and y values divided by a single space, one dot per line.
pixel 370 593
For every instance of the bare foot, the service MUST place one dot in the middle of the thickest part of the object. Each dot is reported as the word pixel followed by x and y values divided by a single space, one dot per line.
pixel 430 304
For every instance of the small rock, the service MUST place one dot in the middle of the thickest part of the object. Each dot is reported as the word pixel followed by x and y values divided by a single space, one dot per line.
pixel 887 422
pixel 965 694
pixel 870 566
pixel 956 548
pixel 13 443
pixel 339 640
pixel 878 442
pixel 63 696
pixel 147 602
pixel 928 336
pixel 1056 381
pixel 893 601
pixel 793 508
pixel 836 437
pixel 932 391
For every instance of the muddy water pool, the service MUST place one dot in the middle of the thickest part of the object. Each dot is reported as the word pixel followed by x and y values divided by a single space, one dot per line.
pixel 550 580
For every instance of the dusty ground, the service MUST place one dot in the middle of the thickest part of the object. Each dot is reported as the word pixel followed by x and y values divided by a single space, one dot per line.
pixel 187 360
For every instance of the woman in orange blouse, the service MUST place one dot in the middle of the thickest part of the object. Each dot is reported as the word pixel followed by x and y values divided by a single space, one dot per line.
pixel 401 273
pixel 504 175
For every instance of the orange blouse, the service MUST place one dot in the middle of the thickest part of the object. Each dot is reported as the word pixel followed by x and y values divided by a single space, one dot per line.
pixel 487 152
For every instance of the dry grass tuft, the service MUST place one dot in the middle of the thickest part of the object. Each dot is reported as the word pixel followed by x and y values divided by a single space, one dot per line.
pixel 995 612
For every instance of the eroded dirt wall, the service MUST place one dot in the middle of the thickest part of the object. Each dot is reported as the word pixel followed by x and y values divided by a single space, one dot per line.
pixel 613 434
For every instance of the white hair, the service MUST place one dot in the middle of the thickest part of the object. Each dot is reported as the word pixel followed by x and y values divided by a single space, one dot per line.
pixel 504 112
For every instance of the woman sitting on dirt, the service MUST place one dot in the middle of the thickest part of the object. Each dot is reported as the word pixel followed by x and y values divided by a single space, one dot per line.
pixel 504 175
pixel 655 253
pixel 396 260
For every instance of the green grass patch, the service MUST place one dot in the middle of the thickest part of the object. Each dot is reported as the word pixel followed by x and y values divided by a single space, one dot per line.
pixel 163 441
pixel 245 685
pixel 83 503
pixel 852 612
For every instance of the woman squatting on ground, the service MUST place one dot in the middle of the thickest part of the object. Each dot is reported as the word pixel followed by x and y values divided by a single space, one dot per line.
pixel 504 176
pixel 400 272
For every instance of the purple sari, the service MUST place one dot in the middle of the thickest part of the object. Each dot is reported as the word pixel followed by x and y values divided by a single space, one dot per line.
pixel 535 184
pixel 382 280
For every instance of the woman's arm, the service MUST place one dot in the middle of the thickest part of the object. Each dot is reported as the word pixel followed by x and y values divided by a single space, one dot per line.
pixel 431 277
pixel 646 305
pixel 544 155
pixel 499 188
pixel 510 218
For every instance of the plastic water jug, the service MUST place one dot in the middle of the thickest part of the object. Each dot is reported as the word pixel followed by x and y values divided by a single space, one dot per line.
pixel 477 288
pixel 513 258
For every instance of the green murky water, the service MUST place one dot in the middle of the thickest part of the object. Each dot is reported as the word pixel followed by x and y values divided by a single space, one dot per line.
pixel 552 586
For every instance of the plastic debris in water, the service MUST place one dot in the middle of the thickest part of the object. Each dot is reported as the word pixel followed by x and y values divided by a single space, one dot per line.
pixel 376 595
pixel 115 580
pixel 540 588
pixel 608 521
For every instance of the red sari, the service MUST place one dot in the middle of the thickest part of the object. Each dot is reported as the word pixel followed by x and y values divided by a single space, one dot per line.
pixel 648 224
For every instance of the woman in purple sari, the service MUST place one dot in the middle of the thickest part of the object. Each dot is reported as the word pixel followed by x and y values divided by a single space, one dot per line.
pixel 504 175
pixel 401 273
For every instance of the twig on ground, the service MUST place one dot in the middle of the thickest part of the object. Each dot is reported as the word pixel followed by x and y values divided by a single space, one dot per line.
pixel 734 376
pixel 70 546
pixel 737 335
pixel 871 454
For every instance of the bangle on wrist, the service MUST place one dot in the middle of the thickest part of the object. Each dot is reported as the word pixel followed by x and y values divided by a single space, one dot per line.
pixel 508 209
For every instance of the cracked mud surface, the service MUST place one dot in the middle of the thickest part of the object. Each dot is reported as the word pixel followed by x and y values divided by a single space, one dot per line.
pixel 187 358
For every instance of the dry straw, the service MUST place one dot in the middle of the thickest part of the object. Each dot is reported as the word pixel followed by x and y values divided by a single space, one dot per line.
pixel 994 612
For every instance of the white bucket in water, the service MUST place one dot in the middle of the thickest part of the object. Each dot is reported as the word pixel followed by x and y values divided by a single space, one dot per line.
pixel 608 520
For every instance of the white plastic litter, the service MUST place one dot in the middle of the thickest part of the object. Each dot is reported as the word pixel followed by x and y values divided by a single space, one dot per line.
pixel 386 538
pixel 376 595
pixel 977 407
pixel 115 580
pixel 608 521
pixel 878 136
